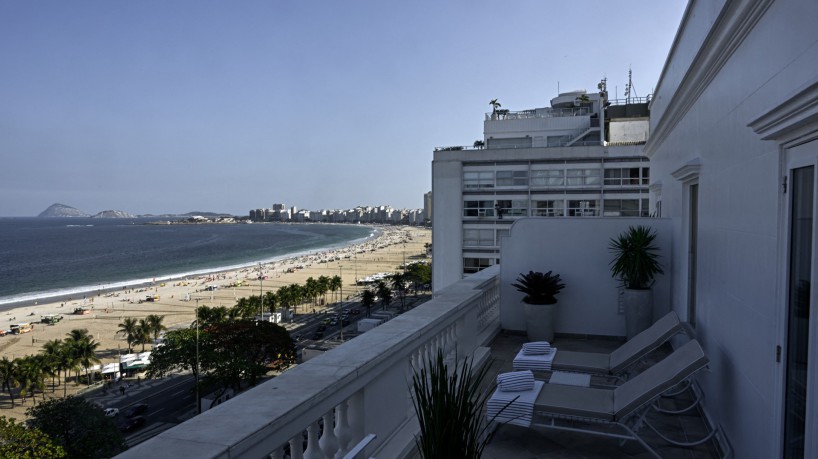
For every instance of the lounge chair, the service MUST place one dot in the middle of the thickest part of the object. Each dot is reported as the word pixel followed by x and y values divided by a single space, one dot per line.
pixel 620 412
pixel 618 362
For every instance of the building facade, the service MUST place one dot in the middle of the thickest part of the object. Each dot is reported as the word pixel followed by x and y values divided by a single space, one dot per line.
pixel 580 157
pixel 734 154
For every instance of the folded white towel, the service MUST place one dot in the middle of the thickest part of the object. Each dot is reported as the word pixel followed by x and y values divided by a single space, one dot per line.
pixel 515 381
pixel 513 407
pixel 534 362
pixel 537 348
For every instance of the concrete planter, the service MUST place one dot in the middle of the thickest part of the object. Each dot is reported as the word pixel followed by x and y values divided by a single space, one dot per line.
pixel 638 311
pixel 539 321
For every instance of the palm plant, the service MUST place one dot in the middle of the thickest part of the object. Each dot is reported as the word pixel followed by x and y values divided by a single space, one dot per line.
pixel 539 288
pixel 128 329
pixel 367 300
pixel 155 325
pixel 635 261
pixel 399 286
pixel 271 300
pixel 143 333
pixel 449 407
pixel 8 376
pixel 51 351
pixel 385 293
pixel 335 284
pixel 494 106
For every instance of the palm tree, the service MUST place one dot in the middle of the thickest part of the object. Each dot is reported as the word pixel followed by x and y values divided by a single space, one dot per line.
pixel 155 325
pixel 51 351
pixel 367 300
pixel 83 348
pixel 8 376
pixel 31 374
pixel 271 300
pixel 143 333
pixel 399 286
pixel 128 328
pixel 385 293
pixel 494 106
pixel 323 287
pixel 335 283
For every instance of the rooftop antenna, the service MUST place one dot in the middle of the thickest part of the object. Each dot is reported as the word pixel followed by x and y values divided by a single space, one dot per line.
pixel 629 87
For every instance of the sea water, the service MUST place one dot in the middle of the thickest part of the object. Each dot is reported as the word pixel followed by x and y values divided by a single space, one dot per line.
pixel 50 257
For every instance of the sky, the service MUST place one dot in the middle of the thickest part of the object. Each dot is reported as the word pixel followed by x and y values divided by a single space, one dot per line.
pixel 176 106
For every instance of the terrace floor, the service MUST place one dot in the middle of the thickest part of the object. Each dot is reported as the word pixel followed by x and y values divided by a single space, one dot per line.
pixel 512 441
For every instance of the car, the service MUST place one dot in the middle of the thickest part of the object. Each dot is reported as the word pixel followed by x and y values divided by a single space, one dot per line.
pixel 111 412
pixel 133 410
pixel 354 311
pixel 132 424
pixel 317 335
pixel 333 321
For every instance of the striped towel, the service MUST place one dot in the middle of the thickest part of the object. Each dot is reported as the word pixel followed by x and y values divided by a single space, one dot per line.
pixel 515 381
pixel 534 362
pixel 537 348
pixel 513 407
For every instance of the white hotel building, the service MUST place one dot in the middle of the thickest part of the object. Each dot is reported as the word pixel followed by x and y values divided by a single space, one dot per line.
pixel 582 156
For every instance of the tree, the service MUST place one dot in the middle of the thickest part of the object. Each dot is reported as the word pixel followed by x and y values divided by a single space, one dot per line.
pixel 128 328
pixel 494 106
pixel 83 349
pixel 155 325
pixel 8 376
pixel 398 281
pixel 335 284
pixel 31 375
pixel 52 351
pixel 271 300
pixel 143 333
pixel 78 427
pixel 18 441
pixel 479 144
pixel 420 274
pixel 323 287
pixel 385 293
pixel 367 300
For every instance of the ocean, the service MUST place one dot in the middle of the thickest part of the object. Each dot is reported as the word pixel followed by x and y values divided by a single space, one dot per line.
pixel 54 257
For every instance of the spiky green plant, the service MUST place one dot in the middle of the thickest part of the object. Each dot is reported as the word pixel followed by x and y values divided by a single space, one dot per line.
pixel 449 409
pixel 635 261
pixel 539 288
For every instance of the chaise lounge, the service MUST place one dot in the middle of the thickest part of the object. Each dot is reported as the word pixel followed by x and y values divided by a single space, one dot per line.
pixel 620 412
pixel 622 359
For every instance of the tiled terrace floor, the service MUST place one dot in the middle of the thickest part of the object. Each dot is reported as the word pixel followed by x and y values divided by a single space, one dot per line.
pixel 538 443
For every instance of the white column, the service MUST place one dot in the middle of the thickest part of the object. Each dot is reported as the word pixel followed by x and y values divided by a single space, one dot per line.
pixel 356 416
pixel 297 446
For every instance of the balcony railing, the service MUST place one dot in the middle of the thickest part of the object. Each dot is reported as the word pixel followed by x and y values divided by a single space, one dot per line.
pixel 500 115
pixel 360 390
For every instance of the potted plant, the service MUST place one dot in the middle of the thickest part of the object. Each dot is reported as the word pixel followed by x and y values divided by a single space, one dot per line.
pixel 636 264
pixel 539 302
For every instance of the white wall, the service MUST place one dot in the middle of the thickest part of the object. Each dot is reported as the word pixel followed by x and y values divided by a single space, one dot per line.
pixel 447 231
pixel 577 250
pixel 629 131
pixel 741 314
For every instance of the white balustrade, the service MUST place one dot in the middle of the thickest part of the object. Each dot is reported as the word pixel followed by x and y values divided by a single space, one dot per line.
pixel 359 391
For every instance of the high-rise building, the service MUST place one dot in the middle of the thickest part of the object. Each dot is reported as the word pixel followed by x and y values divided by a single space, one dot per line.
pixel 579 157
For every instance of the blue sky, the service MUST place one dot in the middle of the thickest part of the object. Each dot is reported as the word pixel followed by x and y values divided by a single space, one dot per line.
pixel 176 106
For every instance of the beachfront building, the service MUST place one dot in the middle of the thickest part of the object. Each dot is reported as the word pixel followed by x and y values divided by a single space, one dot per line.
pixel 580 157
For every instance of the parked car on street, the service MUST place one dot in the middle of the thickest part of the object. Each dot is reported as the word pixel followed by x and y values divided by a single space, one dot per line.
pixel 132 424
pixel 133 410
pixel 111 412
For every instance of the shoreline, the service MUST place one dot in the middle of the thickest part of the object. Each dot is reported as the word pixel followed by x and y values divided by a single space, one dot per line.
pixel 74 293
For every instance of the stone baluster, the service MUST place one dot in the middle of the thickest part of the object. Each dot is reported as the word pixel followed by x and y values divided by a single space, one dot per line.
pixel 277 454
pixel 313 450
pixel 342 429
pixel 297 446
pixel 329 442
pixel 356 417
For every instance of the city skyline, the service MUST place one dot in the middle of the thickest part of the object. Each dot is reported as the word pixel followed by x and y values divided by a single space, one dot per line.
pixel 163 107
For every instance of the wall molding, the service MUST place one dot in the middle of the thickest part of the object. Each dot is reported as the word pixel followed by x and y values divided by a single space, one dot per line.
pixel 689 171
pixel 798 110
pixel 735 21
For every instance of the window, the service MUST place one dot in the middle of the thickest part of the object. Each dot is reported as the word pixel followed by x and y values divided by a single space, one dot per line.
pixel 473 180
pixel 583 177
pixel 621 208
pixel 627 176
pixel 548 178
pixel 513 208
pixel 472 265
pixel 512 178
pixel 549 208
pixel 478 208
pixel 478 237
pixel 582 208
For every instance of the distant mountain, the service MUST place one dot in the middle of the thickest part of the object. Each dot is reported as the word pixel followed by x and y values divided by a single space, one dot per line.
pixel 113 214
pixel 61 210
